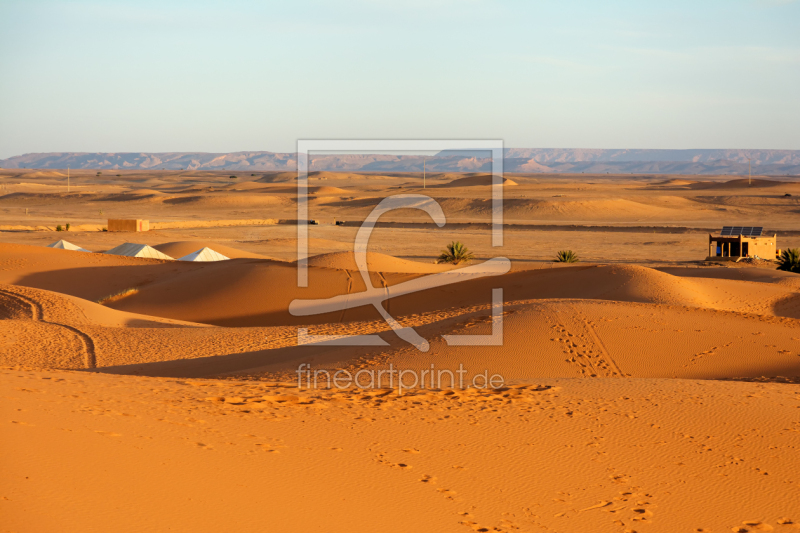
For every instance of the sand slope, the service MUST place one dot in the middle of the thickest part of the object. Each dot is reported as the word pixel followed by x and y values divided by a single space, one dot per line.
pixel 88 276
pixel 567 321
pixel 604 455
pixel 476 181
pixel 578 338
pixel 243 292
pixel 376 262
pixel 250 292
pixel 222 202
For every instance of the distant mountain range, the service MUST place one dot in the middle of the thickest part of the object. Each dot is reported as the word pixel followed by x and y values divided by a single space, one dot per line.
pixel 541 160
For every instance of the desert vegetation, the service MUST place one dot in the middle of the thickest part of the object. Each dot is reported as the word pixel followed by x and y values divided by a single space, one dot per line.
pixel 566 256
pixel 455 252
pixel 119 295
pixel 789 260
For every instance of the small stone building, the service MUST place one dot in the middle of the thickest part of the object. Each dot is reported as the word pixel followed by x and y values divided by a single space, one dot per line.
pixel 737 242
pixel 128 225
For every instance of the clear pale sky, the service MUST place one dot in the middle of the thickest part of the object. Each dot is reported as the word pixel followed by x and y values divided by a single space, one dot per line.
pixel 213 76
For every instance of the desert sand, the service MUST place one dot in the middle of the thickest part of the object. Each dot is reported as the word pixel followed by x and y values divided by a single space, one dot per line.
pixel 643 388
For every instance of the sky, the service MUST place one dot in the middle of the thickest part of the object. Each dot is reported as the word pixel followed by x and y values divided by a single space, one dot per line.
pixel 214 76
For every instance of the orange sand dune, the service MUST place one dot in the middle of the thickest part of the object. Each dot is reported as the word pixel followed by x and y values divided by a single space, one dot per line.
pixel 595 455
pixel 566 209
pixel 676 182
pixel 144 192
pixel 567 321
pixel 376 262
pixel 349 176
pixel 290 177
pixel 253 292
pixel 291 244
pixel 476 181
pixel 552 338
pixel 627 283
pixel 326 191
pixel 42 174
pixel 244 186
pixel 745 183
pixel 788 280
pixel 50 198
pixel 269 187
pixel 598 426
pixel 245 292
pixel 24 303
pixel 586 209
pixel 573 209
pixel 278 177
pixel 221 202
pixel 89 276
pixel 542 338
pixel 580 338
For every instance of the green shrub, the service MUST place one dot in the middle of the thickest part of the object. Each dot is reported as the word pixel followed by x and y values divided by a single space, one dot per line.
pixel 58 228
pixel 232 177
pixel 455 253
pixel 790 260
pixel 66 228
pixel 566 256
pixel 105 229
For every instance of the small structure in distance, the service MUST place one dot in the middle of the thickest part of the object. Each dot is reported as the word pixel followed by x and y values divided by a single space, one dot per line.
pixel 204 254
pixel 64 245
pixel 132 249
pixel 737 242
pixel 133 224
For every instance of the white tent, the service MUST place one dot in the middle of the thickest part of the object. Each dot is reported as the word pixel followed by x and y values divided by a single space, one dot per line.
pixel 64 245
pixel 204 254
pixel 131 249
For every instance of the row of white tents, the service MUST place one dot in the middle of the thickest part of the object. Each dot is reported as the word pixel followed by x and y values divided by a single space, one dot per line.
pixel 130 249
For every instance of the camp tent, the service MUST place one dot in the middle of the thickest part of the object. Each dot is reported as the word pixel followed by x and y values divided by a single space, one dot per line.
pixel 204 254
pixel 64 245
pixel 131 249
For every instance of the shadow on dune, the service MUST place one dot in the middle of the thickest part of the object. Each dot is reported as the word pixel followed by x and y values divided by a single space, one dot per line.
pixel 278 360
pixel 95 282
pixel 207 366
pixel 788 307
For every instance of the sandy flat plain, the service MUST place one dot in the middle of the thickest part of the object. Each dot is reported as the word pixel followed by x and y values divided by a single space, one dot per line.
pixel 644 389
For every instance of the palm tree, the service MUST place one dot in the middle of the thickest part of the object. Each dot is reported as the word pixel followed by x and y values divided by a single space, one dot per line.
pixel 455 253
pixel 567 256
pixel 790 260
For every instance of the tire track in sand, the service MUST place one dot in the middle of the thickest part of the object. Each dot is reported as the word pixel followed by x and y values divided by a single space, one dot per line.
pixel 38 315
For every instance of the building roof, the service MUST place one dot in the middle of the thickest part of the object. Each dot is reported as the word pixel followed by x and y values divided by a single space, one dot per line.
pixel 204 254
pixel 745 231
pixel 64 245
pixel 131 249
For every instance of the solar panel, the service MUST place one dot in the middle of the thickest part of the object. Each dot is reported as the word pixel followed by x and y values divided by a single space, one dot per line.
pixel 745 231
